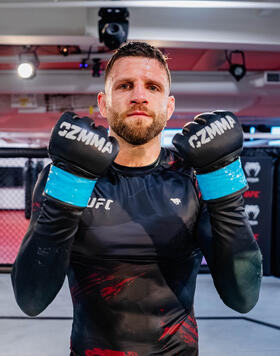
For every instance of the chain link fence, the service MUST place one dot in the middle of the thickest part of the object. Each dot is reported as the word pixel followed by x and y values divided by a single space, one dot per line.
pixel 19 169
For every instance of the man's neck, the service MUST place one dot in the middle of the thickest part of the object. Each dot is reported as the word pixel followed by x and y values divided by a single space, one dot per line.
pixel 137 156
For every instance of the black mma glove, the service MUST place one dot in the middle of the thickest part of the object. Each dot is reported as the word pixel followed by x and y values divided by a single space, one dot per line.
pixel 81 153
pixel 212 144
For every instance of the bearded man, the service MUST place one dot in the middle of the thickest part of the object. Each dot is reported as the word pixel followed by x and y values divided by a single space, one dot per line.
pixel 128 221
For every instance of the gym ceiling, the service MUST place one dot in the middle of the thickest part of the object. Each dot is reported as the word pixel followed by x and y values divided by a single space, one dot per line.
pixel 197 36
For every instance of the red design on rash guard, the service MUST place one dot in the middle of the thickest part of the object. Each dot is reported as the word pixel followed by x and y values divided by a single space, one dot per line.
pixel 171 163
pixel 170 330
pixel 99 352
pixel 107 292
pixel 187 332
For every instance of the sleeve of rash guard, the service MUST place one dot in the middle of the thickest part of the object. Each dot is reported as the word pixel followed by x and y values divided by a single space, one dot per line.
pixel 41 265
pixel 231 251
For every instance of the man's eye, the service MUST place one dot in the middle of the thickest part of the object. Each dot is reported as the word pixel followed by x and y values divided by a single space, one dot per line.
pixel 125 86
pixel 153 88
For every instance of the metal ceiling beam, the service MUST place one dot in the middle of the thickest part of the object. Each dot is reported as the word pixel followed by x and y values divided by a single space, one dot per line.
pixel 48 40
pixel 145 4
pixel 86 41
pixel 81 82
pixel 71 58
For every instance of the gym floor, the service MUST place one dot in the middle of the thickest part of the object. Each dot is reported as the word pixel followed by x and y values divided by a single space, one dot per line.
pixel 222 332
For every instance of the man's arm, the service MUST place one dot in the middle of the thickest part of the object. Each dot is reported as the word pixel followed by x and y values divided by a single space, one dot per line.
pixel 232 254
pixel 42 262
pixel 80 153
pixel 212 144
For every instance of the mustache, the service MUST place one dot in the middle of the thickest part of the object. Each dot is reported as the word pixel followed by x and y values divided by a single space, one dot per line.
pixel 139 108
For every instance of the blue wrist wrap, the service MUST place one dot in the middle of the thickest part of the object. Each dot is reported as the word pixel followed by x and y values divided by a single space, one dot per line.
pixel 223 182
pixel 69 188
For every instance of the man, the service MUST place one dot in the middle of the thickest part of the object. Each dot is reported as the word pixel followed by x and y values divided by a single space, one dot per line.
pixel 124 220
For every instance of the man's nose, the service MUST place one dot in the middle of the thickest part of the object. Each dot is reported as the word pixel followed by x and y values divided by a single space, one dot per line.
pixel 139 95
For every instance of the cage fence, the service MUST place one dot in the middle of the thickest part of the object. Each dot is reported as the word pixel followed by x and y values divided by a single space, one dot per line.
pixel 18 173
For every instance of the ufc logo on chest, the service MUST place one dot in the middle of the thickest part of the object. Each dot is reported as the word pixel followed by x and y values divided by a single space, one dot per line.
pixel 100 202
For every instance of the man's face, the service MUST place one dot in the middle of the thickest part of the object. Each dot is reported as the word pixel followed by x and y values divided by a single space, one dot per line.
pixel 136 102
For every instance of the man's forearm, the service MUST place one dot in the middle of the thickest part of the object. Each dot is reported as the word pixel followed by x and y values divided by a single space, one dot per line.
pixel 42 262
pixel 236 261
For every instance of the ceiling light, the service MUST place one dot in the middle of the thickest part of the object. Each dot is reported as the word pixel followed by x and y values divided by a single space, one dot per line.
pixel 113 26
pixel 84 63
pixel 237 70
pixel 64 50
pixel 28 63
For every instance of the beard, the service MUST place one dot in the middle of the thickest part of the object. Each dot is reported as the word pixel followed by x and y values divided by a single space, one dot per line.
pixel 136 131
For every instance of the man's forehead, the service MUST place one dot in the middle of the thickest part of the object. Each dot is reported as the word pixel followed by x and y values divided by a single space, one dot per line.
pixel 134 66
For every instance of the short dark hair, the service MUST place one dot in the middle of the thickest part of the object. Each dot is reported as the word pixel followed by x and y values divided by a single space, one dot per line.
pixel 138 49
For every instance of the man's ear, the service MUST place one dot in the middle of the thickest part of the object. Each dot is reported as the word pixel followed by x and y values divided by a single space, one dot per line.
pixel 170 106
pixel 101 100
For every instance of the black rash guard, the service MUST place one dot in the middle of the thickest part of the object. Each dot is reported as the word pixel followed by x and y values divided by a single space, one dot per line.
pixel 132 257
